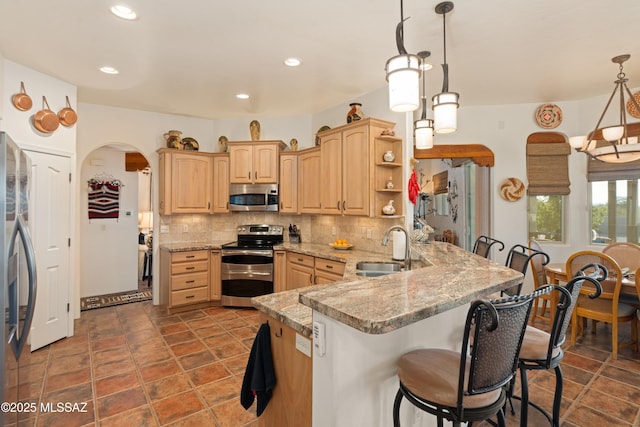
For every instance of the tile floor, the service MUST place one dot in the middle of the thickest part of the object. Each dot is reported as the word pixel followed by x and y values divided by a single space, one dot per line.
pixel 136 365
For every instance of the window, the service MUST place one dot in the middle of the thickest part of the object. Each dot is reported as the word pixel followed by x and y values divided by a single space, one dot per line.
pixel 615 213
pixel 545 214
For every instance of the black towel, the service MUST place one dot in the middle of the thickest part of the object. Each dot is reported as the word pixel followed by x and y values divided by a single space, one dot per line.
pixel 259 377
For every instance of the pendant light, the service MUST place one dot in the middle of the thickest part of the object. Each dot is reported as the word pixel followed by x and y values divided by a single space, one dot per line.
pixel 445 104
pixel 403 74
pixel 423 127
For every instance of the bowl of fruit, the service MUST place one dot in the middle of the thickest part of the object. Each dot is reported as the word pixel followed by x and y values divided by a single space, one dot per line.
pixel 341 244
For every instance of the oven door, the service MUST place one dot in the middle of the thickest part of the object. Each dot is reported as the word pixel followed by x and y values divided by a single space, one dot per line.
pixel 245 273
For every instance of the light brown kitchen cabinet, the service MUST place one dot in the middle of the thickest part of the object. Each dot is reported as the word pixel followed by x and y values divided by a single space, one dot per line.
pixel 306 270
pixel 220 183
pixel 254 162
pixel 309 181
pixel 184 278
pixel 347 167
pixel 288 183
pixel 300 270
pixel 291 402
pixel 385 172
pixel 185 182
pixel 327 271
pixel 215 278
pixel 279 271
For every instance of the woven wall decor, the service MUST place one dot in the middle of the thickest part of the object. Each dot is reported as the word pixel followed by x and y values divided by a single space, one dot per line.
pixel 512 189
pixel 548 116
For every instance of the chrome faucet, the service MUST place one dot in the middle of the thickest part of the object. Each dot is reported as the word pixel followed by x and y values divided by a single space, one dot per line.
pixel 407 250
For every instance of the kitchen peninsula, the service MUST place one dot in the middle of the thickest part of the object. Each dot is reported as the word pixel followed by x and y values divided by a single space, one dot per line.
pixel 368 323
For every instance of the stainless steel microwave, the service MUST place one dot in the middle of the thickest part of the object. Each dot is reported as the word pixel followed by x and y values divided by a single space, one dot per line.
pixel 253 197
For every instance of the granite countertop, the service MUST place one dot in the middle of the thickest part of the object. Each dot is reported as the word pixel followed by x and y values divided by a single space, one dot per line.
pixel 444 276
pixel 192 246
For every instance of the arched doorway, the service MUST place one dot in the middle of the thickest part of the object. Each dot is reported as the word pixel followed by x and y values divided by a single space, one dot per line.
pixel 115 207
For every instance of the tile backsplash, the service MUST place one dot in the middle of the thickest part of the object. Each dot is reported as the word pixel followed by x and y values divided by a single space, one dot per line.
pixel 363 232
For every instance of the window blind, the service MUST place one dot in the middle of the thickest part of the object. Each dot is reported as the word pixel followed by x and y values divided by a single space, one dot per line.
pixel 441 183
pixel 601 171
pixel 548 164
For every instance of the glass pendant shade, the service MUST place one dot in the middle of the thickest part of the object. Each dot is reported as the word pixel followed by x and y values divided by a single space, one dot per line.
pixel 577 141
pixel 445 114
pixel 423 133
pixel 625 153
pixel 403 75
pixel 613 133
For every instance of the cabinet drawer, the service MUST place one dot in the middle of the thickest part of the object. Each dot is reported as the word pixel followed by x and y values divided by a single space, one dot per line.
pixel 189 256
pixel 189 267
pixel 300 259
pixel 330 266
pixel 189 296
pixel 186 281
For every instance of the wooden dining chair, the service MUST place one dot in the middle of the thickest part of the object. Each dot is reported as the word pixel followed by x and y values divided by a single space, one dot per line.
pixel 539 280
pixel 627 255
pixel 606 308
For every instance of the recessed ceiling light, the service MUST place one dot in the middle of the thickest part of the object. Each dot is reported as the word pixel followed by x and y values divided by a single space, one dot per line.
pixel 292 62
pixel 124 12
pixel 109 70
pixel 242 96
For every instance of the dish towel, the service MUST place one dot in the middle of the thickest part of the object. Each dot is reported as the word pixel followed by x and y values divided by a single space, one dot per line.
pixel 259 377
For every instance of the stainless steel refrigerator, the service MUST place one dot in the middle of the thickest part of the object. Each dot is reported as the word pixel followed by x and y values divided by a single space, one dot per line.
pixel 18 296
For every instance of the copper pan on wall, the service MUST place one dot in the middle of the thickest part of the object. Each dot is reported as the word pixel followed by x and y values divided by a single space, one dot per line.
pixel 21 100
pixel 67 115
pixel 45 120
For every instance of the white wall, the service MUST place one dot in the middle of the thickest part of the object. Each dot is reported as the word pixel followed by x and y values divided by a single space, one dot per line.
pixel 108 259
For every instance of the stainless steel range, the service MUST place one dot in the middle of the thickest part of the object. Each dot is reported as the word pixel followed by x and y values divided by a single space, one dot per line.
pixel 247 264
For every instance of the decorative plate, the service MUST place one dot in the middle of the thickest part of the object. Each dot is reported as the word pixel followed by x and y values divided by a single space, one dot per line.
pixel 512 189
pixel 631 109
pixel 548 116
pixel 340 248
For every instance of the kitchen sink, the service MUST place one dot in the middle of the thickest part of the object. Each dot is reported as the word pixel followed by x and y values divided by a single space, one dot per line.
pixel 373 269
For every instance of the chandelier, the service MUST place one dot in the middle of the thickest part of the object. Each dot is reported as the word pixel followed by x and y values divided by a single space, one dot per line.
pixel 618 143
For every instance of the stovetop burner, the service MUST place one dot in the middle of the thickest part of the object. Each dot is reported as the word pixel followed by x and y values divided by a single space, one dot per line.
pixel 257 236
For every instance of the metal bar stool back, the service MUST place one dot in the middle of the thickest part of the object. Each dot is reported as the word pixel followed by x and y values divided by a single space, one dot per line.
pixel 541 350
pixel 483 245
pixel 469 385
pixel 518 259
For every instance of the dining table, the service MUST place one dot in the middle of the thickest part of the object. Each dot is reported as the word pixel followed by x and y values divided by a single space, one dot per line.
pixel 557 274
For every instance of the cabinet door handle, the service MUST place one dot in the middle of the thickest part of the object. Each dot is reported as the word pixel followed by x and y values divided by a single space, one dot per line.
pixel 249 175
pixel 280 205
pixel 255 175
pixel 338 205
pixel 344 205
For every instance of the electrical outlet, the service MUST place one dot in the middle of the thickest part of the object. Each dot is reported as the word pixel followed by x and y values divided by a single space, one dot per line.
pixel 369 234
pixel 333 231
pixel 185 228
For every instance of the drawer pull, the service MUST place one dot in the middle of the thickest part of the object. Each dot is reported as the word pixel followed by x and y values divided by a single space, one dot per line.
pixel 189 268
pixel 190 256
pixel 190 281
pixel 300 260
pixel 190 296
pixel 328 266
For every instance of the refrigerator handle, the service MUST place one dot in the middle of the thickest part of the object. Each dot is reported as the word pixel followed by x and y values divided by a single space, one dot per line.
pixel 21 228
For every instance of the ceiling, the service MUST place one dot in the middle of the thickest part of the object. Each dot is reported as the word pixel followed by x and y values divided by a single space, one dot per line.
pixel 192 57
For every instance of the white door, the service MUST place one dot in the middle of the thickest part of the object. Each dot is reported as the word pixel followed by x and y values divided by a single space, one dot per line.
pixel 50 227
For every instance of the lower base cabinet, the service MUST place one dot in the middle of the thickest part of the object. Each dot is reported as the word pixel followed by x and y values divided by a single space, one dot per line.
pixel 290 404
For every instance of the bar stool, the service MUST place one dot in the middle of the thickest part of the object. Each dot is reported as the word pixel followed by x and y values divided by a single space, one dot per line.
pixel 483 245
pixel 469 385
pixel 541 350
pixel 518 259
pixel 539 280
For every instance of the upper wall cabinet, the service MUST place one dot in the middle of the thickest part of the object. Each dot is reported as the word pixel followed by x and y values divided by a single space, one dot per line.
pixel 309 183
pixel 185 182
pixel 254 162
pixel 220 183
pixel 347 167
pixel 288 182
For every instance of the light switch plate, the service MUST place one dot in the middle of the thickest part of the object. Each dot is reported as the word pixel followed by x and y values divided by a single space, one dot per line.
pixel 303 345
